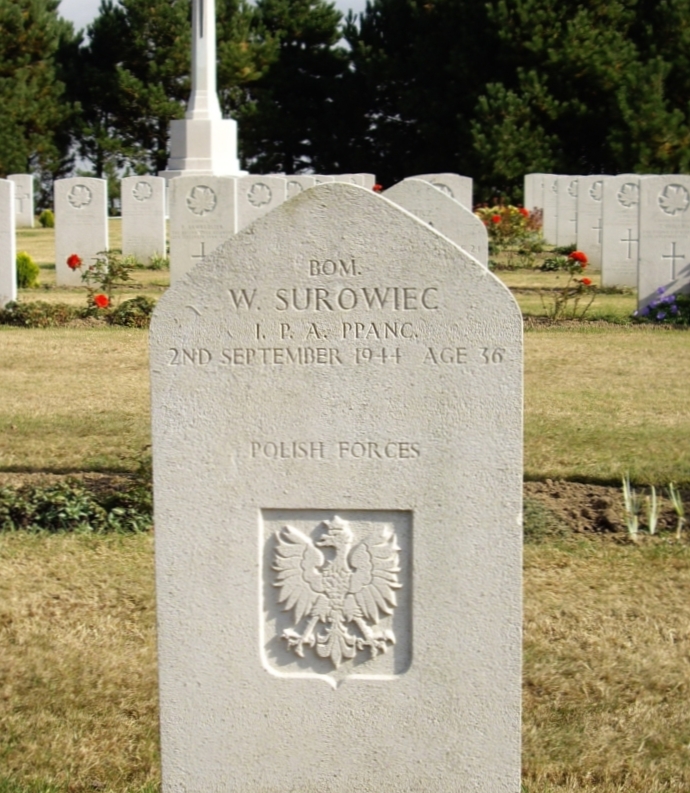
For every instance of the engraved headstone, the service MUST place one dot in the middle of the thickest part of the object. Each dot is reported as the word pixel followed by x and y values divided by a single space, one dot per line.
pixel 550 197
pixel 620 233
pixel 566 223
pixel 81 224
pixel 202 216
pixel 590 200
pixel 23 199
pixel 534 192
pixel 294 185
pixel 336 403
pixel 8 249
pixel 456 186
pixel 443 213
pixel 664 237
pixel 320 178
pixel 257 195
pixel 143 217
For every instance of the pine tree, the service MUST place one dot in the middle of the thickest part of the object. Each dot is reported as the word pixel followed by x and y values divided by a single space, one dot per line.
pixel 34 120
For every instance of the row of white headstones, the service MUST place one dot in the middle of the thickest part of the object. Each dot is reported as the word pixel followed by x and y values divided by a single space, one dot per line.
pixel 204 211
pixel 635 228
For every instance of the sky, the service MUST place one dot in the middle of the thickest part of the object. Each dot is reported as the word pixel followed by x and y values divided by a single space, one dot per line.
pixel 81 12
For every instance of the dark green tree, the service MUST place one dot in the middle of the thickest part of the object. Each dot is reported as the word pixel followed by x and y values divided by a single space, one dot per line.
pixel 34 122
pixel 292 119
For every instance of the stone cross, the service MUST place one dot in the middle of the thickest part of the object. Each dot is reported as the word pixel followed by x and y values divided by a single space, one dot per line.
pixel 203 102
pixel 629 240
pixel 673 256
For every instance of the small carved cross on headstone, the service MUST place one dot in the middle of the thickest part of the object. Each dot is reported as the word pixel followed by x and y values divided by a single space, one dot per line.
pixel 21 199
pixel 630 240
pixel 598 228
pixel 673 256
pixel 201 255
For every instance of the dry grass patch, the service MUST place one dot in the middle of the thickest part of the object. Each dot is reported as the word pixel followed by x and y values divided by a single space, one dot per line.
pixel 607 669
pixel 78 704
pixel 603 401
pixel 72 398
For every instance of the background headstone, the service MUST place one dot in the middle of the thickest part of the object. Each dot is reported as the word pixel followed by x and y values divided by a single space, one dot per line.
pixel 320 178
pixel 23 199
pixel 620 235
pixel 533 192
pixel 81 224
pixel 257 195
pixel 443 213
pixel 566 224
pixel 294 185
pixel 368 180
pixel 456 186
pixel 8 246
pixel 143 217
pixel 550 219
pixel 202 216
pixel 590 201
pixel 664 259
pixel 338 374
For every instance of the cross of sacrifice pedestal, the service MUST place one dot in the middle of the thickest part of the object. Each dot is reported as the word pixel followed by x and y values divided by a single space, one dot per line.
pixel 630 240
pixel 673 256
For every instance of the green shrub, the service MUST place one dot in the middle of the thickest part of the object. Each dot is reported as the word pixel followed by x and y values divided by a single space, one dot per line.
pixel 134 313
pixel 38 314
pixel 47 219
pixel 71 507
pixel 158 262
pixel 27 271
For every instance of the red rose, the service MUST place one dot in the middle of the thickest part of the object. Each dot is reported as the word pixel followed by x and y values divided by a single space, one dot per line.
pixel 524 212
pixel 74 262
pixel 586 281
pixel 495 218
pixel 377 188
pixel 101 301
pixel 579 256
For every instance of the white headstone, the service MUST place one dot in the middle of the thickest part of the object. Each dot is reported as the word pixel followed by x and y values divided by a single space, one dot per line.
pixel 550 219
pixel 456 186
pixel 368 179
pixel 8 245
pixel 294 185
pixel 320 178
pixel 590 201
pixel 81 224
pixel 620 235
pixel 23 199
pixel 143 217
pixel 566 224
pixel 336 403
pixel 257 195
pixel 202 216
pixel 443 213
pixel 664 236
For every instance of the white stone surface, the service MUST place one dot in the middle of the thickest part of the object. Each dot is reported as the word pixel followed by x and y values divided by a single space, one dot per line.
pixel 320 178
pixel 590 202
pixel 203 142
pixel 620 235
pixel 282 402
pixel 566 223
pixel 143 217
pixel 664 236
pixel 81 224
pixel 443 213
pixel 368 179
pixel 456 186
pixel 294 185
pixel 257 195
pixel 203 215
pixel 24 199
pixel 8 247
pixel 550 219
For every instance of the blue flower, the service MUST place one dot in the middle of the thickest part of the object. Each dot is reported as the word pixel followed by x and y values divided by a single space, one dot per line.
pixel 654 304
pixel 661 290
pixel 661 315
pixel 645 311
pixel 674 309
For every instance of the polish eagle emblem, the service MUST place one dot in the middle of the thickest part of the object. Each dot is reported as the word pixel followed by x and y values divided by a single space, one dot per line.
pixel 354 588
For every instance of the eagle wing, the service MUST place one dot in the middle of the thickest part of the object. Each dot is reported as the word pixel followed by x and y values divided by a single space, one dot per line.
pixel 296 563
pixel 375 577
